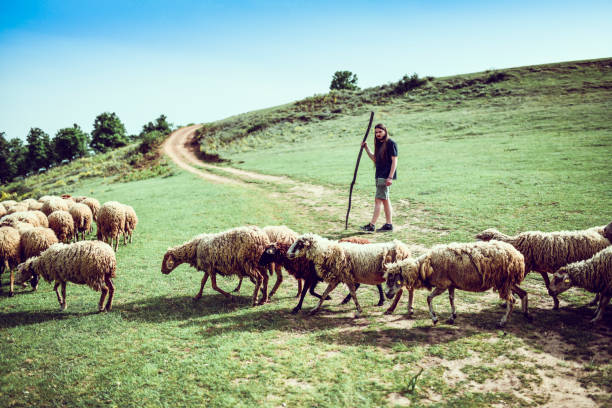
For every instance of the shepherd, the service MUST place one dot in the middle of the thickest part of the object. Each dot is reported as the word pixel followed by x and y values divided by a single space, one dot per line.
pixel 385 162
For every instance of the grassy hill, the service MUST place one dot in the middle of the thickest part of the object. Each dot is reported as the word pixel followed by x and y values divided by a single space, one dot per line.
pixel 517 149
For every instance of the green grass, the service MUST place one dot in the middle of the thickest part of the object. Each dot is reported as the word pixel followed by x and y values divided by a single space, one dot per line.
pixel 526 154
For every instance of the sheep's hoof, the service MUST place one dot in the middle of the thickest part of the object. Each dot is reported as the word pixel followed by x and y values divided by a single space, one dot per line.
pixel 388 312
pixel 107 309
pixel 410 313
pixel 313 312
pixel 294 310
pixel 357 315
pixel 11 294
pixel 434 320
pixel 197 297
pixel 451 320
pixel 555 307
pixel 380 303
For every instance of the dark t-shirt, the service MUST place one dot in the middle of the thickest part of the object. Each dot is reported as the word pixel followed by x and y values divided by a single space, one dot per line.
pixel 384 167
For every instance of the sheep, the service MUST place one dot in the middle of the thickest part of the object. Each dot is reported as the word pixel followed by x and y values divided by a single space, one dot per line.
pixel 594 275
pixel 545 252
pixel 94 206
pixel 111 222
pixel 131 220
pixel 346 262
pixel 32 204
pixel 62 224
pixel 300 268
pixel 8 203
pixel 43 221
pixel 29 217
pixel 33 242
pixel 232 252
pixel 16 208
pixel 82 217
pixel 54 204
pixel 474 267
pixel 2 211
pixel 10 252
pixel 92 263
pixel 79 199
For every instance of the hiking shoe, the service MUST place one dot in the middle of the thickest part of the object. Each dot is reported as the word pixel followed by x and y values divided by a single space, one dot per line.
pixel 367 228
pixel 386 227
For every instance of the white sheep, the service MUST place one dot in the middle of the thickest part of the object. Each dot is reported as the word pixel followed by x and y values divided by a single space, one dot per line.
pixel 94 206
pixel 474 267
pixel 62 223
pixel 594 275
pixel 34 241
pixel 2 211
pixel 52 204
pixel 82 217
pixel 29 217
pixel 92 263
pixel 10 252
pixel 346 262
pixel 111 222
pixel 232 252
pixel 545 252
pixel 131 220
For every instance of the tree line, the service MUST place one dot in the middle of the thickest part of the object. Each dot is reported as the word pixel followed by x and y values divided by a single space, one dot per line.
pixel 41 152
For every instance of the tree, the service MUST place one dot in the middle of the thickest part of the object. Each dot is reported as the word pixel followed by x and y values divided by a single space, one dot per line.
pixel 108 133
pixel 344 80
pixel 161 125
pixel 70 143
pixel 5 167
pixel 39 152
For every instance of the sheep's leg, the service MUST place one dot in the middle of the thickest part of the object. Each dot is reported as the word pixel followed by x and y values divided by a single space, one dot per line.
pixel 381 295
pixel 348 297
pixel 352 289
pixel 504 319
pixel 12 279
pixel 116 242
pixel 104 291
pixel 312 289
pixel 396 300
pixel 213 282
pixel 59 298
pixel 264 290
pixel 279 278
pixel 255 292
pixel 307 285
pixel 64 296
pixel 547 283
pixel 603 302
pixel 111 293
pixel 433 294
pixel 595 300
pixel 410 301
pixel 239 285
pixel 204 279
pixel 330 287
pixel 300 287
pixel 524 302
pixel 451 299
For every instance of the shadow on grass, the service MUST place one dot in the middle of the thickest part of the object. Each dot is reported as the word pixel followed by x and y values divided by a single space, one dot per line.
pixel 16 319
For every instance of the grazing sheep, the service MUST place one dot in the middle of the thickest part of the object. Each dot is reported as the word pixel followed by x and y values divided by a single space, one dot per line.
pixel 8 203
pixel 62 224
pixel 43 221
pixel 2 211
pixel 232 252
pixel 474 267
pixel 54 204
pixel 111 222
pixel 92 263
pixel 131 220
pixel 545 252
pixel 94 206
pixel 33 242
pixel 10 252
pixel 301 269
pixel 82 217
pixel 28 217
pixel 16 208
pixel 594 275
pixel 79 199
pixel 347 262
pixel 32 204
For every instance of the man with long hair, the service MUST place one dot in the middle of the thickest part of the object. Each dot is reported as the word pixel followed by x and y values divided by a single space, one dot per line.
pixel 385 161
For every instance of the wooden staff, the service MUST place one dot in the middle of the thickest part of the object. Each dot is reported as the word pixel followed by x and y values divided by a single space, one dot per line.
pixel 356 168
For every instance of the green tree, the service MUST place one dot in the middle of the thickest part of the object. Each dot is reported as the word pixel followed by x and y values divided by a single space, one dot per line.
pixel 5 166
pixel 108 133
pixel 70 143
pixel 344 80
pixel 161 125
pixel 39 152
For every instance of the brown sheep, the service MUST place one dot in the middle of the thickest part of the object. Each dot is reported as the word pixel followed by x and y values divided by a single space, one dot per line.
pixel 10 252
pixel 62 224
pixel 82 217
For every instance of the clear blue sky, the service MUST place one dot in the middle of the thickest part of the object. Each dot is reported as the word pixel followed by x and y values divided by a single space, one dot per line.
pixel 65 61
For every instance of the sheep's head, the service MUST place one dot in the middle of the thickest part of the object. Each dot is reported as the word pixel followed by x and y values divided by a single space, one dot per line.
pixel 608 232
pixel 560 282
pixel 487 234
pixel 269 255
pixel 26 273
pixel 300 246
pixel 169 263
pixel 397 275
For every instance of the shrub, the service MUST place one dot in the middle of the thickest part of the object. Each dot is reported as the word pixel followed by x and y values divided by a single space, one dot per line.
pixel 344 80
pixel 407 83
pixel 496 77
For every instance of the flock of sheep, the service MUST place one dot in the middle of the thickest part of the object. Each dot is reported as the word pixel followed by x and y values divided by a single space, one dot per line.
pixel 36 239
pixel 32 232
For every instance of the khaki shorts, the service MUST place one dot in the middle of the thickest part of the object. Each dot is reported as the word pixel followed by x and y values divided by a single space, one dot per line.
pixel 382 190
